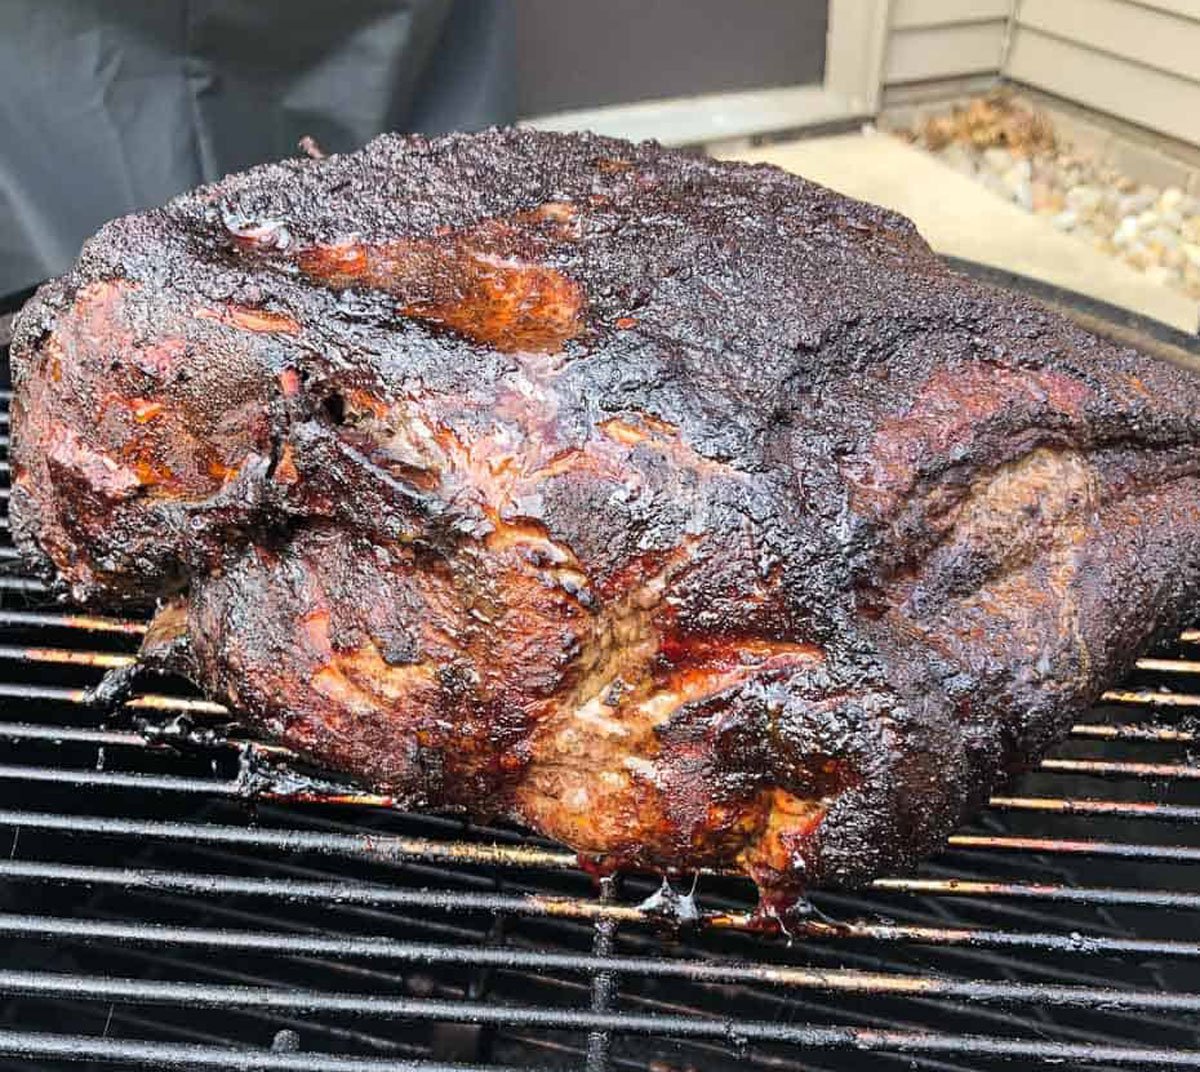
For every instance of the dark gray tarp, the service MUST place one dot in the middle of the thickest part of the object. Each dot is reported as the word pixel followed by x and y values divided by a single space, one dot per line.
pixel 108 106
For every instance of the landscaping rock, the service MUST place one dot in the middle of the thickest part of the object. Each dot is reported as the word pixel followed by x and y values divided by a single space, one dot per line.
pixel 1016 154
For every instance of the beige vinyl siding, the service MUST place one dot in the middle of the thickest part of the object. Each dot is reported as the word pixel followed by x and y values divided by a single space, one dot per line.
pixel 928 52
pixel 1188 8
pixel 855 48
pixel 1138 62
pixel 1144 35
pixel 910 14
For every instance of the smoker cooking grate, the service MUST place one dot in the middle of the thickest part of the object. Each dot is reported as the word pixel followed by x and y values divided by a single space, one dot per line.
pixel 170 900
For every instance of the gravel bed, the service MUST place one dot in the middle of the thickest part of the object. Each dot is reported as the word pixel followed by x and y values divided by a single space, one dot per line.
pixel 1016 153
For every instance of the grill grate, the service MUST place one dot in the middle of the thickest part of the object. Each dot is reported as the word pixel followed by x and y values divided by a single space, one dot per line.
pixel 168 902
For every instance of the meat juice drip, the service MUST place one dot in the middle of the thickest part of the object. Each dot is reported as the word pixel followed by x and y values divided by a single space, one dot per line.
pixel 668 904
pixel 260 778
pixel 778 910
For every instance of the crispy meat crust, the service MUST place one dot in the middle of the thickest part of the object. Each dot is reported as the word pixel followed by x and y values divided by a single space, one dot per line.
pixel 685 511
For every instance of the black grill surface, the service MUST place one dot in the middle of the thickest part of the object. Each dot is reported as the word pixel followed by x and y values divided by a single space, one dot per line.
pixel 171 897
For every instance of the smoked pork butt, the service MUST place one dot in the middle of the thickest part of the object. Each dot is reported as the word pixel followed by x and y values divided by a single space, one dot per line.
pixel 686 512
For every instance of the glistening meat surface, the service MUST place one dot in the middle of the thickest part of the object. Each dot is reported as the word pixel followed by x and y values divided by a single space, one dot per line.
pixel 687 512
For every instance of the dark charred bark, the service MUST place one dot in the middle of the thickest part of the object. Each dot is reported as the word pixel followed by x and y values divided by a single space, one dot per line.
pixel 685 511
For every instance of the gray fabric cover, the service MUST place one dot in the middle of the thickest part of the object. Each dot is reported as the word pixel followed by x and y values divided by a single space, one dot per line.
pixel 109 106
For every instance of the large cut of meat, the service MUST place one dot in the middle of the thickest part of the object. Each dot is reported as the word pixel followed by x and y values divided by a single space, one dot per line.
pixel 687 512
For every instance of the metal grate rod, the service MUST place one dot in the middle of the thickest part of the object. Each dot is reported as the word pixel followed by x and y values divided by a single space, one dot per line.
pixel 981 938
pixel 19 584
pixel 375 846
pixel 596 964
pixel 1125 809
pixel 552 906
pixel 1102 895
pixel 26 731
pixel 84 622
pixel 1150 698
pixel 147 701
pixel 169 783
pixel 149 740
pixel 247 789
pixel 604 982
pixel 1100 768
pixel 181 1055
pixel 1132 731
pixel 101 660
pixel 333 891
pixel 1065 846
pixel 391 847
pixel 215 996
pixel 1170 666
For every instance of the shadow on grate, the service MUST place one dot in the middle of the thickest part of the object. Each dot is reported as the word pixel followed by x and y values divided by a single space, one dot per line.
pixel 169 900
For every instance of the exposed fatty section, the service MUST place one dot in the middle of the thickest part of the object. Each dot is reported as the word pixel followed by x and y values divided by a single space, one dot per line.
pixel 1001 411
pixel 250 319
pixel 362 680
pixel 1009 566
pixel 486 283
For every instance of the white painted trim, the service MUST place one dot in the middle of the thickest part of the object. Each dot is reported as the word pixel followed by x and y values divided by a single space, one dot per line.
pixel 1103 82
pixel 855 50
pixel 711 117
pixel 1189 9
